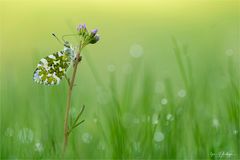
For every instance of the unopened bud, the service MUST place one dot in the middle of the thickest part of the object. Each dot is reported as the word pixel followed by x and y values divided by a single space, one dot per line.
pixel 94 32
pixel 79 27
pixel 95 39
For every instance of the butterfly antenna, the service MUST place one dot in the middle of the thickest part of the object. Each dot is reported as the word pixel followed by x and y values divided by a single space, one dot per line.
pixel 57 38
pixel 68 35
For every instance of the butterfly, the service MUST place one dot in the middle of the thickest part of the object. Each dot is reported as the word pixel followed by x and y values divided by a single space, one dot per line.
pixel 52 68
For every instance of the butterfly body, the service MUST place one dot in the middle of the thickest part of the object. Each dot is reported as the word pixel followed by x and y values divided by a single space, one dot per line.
pixel 51 69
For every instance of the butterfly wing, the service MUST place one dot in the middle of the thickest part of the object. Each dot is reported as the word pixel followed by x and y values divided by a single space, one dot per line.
pixel 51 69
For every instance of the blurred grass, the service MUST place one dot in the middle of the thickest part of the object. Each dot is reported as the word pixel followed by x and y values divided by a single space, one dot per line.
pixel 179 100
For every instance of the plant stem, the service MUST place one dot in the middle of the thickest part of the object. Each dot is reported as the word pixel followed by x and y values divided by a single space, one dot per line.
pixel 69 95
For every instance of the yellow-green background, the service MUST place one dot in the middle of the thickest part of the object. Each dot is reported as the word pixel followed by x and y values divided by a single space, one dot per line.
pixel 210 29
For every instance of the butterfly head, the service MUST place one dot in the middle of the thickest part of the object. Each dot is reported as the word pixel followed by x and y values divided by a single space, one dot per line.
pixel 67 44
pixel 68 49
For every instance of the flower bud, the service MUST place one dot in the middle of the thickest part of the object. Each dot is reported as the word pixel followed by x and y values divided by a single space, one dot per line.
pixel 79 27
pixel 94 32
pixel 82 29
pixel 95 39
pixel 87 37
pixel 85 31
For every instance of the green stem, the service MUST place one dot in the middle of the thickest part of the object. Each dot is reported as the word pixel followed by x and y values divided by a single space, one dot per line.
pixel 69 95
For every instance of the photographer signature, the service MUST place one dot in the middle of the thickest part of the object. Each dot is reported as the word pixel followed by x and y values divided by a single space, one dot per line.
pixel 221 154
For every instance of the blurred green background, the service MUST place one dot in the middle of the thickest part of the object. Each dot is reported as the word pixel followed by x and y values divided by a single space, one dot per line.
pixel 162 82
